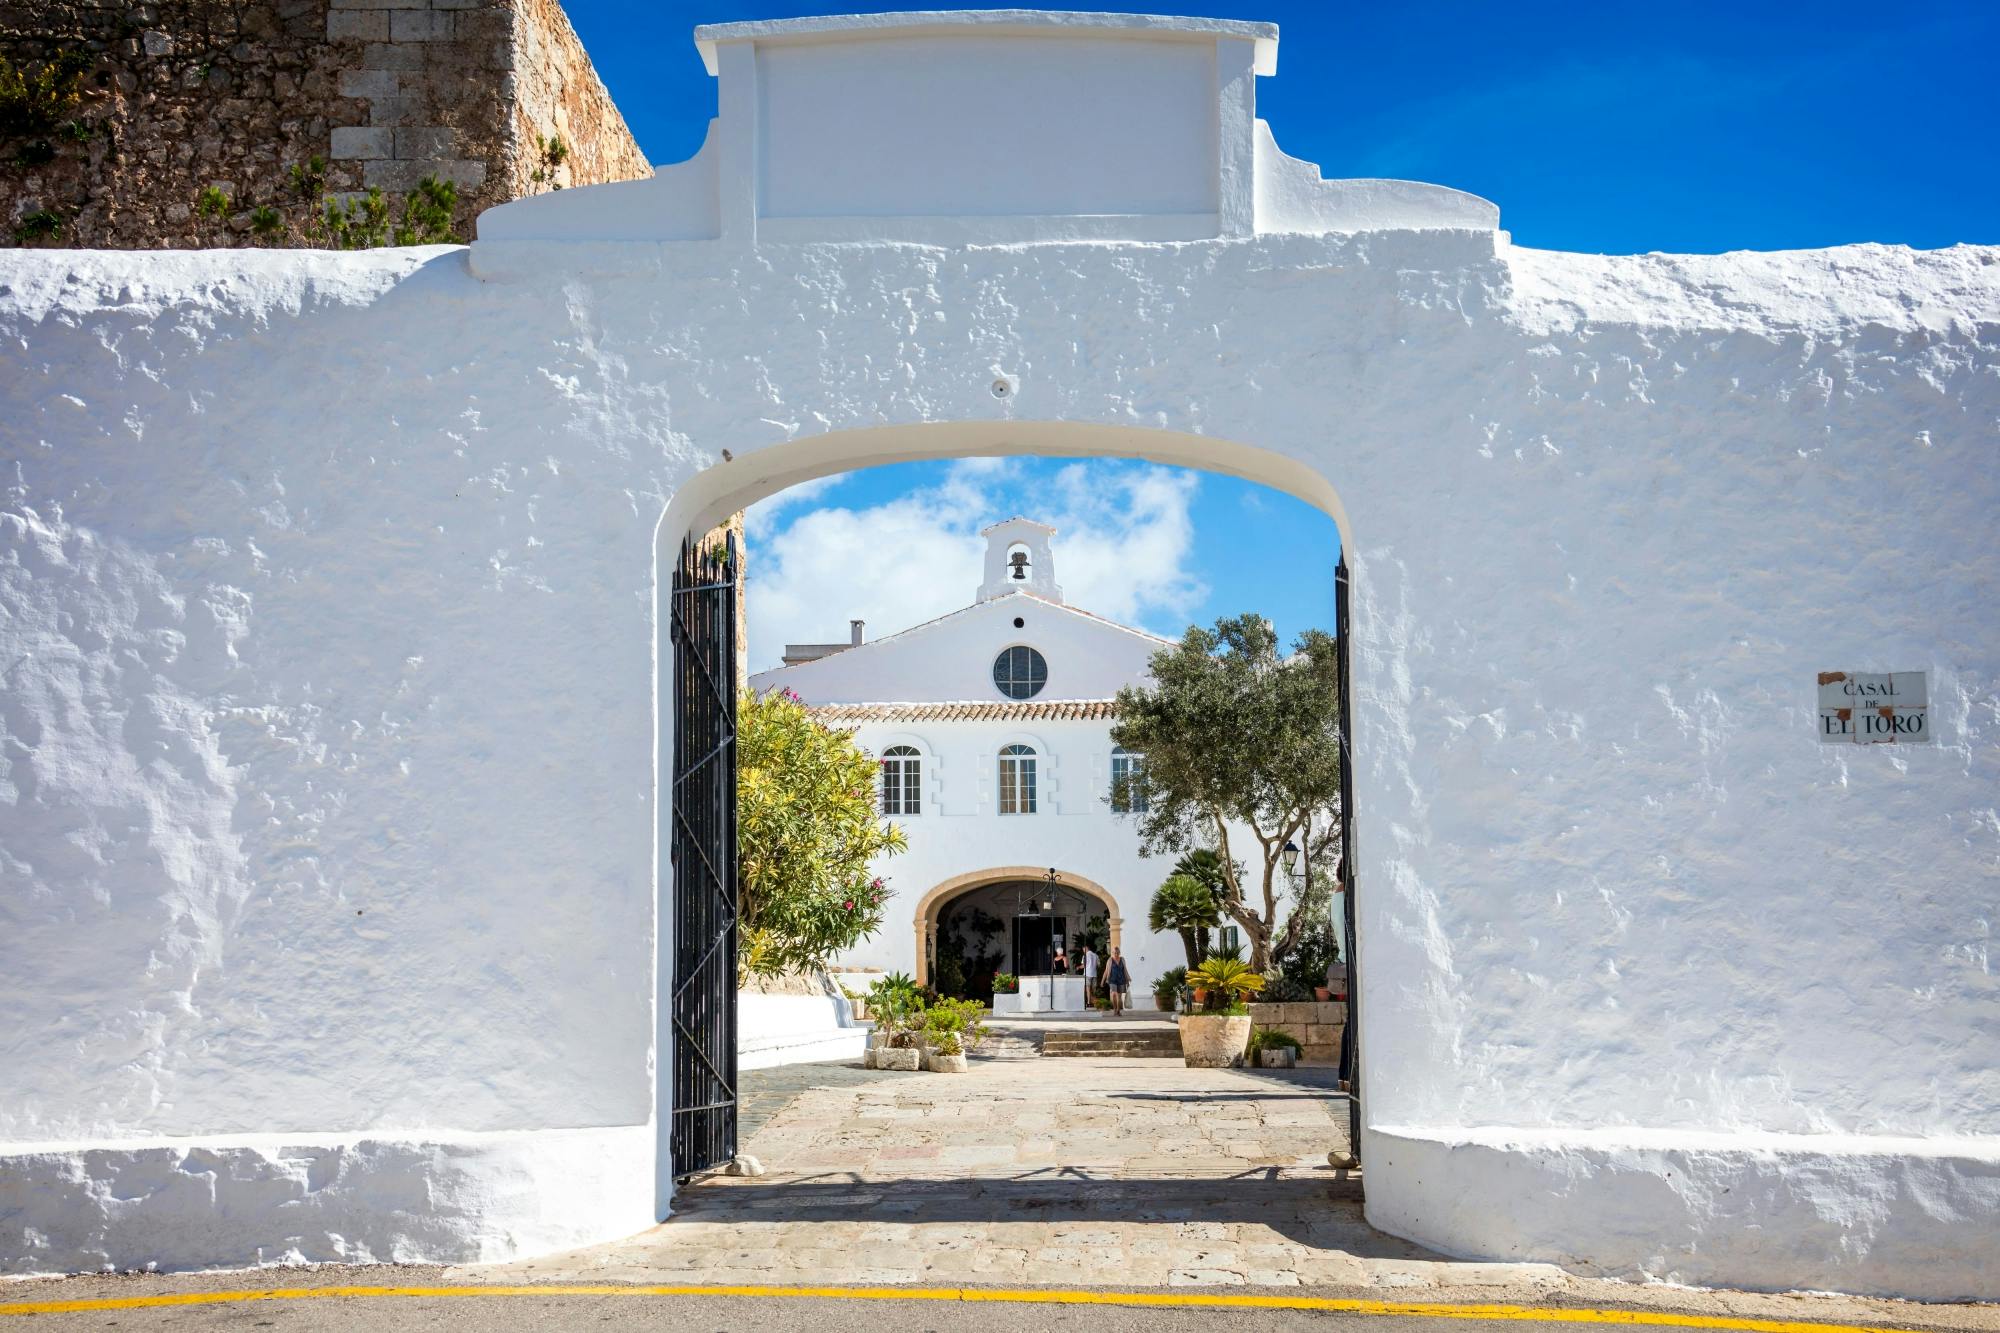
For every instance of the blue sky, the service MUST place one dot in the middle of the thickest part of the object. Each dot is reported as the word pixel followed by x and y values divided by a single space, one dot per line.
pixel 1614 128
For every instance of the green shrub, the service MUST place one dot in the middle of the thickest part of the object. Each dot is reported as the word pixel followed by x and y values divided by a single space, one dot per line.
pixel 1167 989
pixel 1281 989
pixel 1265 1039
pixel 952 1026
pixel 1006 983
pixel 35 98
pixel 807 829
pixel 44 224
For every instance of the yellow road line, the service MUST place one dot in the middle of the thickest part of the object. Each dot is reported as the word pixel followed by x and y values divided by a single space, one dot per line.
pixel 1015 1295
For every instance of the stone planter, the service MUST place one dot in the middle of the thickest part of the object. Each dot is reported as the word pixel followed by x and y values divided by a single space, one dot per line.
pixel 945 1064
pixel 906 1058
pixel 1277 1057
pixel 868 1057
pixel 1214 1041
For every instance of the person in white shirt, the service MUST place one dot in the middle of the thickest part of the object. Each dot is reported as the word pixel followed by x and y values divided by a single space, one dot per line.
pixel 1089 973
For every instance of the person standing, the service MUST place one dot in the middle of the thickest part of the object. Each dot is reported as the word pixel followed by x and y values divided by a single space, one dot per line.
pixel 1118 980
pixel 1089 973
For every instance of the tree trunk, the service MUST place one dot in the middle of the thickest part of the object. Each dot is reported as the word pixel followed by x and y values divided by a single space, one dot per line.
pixel 1188 940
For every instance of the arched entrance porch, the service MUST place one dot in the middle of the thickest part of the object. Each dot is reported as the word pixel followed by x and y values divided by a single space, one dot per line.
pixel 1003 885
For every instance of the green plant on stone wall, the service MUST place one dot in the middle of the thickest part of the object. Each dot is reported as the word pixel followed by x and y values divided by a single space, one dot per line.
pixel 550 154
pixel 428 212
pixel 36 97
pixel 44 224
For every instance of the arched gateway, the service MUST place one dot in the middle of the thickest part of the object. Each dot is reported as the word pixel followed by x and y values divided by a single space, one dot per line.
pixel 333 825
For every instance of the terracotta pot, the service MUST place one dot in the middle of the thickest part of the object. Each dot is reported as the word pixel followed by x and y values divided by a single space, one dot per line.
pixel 1214 1041
pixel 905 1058
pixel 1200 998
pixel 1322 994
pixel 945 1064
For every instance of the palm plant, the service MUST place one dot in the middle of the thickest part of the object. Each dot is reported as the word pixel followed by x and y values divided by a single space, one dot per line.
pixel 1227 980
pixel 1183 903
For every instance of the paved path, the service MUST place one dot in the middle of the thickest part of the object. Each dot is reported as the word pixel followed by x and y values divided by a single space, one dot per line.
pixel 1043 1172
pixel 762 1093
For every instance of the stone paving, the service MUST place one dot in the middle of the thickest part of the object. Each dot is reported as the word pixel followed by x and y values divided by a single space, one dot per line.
pixel 1076 1172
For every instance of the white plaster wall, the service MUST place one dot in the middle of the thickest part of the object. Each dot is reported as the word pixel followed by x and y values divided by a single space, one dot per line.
pixel 326 590
pixel 987 127
pixel 951 659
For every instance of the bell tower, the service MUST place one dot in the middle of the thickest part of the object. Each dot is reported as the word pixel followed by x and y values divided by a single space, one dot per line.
pixel 1018 559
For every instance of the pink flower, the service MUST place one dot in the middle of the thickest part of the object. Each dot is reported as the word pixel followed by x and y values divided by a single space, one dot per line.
pixel 849 904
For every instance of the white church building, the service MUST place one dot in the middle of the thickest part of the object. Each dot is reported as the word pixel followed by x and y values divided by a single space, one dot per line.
pixel 993 728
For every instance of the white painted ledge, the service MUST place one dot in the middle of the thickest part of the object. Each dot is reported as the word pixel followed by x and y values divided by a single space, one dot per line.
pixel 260 1200
pixel 1883 1216
pixel 776 1030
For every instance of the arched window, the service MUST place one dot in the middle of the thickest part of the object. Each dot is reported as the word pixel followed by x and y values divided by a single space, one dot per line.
pixel 1128 782
pixel 902 781
pixel 1020 672
pixel 1017 780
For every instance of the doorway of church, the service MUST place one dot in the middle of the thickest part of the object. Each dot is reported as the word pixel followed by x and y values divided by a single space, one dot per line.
pixel 947 668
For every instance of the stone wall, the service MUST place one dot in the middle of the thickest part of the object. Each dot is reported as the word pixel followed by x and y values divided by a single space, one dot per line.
pixel 1317 1024
pixel 171 98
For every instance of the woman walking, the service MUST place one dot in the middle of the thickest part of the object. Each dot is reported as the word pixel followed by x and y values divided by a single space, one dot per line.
pixel 1117 980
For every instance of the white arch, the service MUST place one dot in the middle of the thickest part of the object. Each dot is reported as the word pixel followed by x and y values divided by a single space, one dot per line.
pixel 739 477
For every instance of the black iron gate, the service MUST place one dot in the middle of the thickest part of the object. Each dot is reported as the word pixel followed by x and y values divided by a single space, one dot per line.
pixel 703 854
pixel 1350 1047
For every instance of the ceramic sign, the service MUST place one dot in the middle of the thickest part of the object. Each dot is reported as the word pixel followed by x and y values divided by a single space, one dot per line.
pixel 1873 708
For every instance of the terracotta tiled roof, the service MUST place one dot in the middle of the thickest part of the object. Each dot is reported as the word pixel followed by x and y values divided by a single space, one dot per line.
pixel 972 710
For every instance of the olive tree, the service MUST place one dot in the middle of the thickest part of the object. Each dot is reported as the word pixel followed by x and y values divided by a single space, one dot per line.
pixel 1232 732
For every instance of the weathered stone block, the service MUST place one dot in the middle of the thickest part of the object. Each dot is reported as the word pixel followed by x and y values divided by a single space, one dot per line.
pixel 462 4
pixel 388 55
pixel 399 111
pixel 369 83
pixel 484 25
pixel 426 141
pixel 419 25
pixel 379 4
pixel 363 142
pixel 403 175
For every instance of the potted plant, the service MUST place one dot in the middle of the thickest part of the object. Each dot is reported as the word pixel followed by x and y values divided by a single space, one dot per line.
pixel 951 1029
pixel 1274 1048
pixel 898 1008
pixel 1167 990
pixel 1216 1037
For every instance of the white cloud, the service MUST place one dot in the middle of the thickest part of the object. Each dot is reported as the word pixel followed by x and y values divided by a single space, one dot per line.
pixel 1124 546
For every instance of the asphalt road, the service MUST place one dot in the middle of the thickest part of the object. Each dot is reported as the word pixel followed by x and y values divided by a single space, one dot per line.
pixel 217 1302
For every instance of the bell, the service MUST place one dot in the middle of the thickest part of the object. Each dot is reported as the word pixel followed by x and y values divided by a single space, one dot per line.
pixel 1019 561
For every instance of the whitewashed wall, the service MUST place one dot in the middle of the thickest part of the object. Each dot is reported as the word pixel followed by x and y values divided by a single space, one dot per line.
pixel 327 762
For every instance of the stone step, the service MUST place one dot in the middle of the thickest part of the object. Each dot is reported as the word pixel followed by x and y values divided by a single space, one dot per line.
pixel 998 1047
pixel 1144 1045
